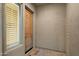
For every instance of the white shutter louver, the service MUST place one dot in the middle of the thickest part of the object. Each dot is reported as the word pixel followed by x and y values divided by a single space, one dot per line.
pixel 12 23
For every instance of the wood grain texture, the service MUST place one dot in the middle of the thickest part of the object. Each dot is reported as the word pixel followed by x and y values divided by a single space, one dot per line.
pixel 28 29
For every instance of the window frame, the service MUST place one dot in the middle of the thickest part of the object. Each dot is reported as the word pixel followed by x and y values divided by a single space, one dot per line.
pixel 5 48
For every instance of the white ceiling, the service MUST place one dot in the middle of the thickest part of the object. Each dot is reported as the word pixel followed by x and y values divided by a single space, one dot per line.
pixel 40 4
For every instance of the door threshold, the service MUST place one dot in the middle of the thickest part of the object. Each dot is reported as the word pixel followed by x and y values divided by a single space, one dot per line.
pixel 28 50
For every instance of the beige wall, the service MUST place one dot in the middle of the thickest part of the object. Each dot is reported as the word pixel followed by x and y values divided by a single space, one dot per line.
pixel 44 33
pixel 72 30
pixel 50 26
pixel 0 29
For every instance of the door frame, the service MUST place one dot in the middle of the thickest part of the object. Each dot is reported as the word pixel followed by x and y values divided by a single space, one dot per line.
pixel 27 8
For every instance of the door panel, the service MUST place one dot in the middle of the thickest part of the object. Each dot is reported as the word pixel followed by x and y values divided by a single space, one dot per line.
pixel 13 41
pixel 28 30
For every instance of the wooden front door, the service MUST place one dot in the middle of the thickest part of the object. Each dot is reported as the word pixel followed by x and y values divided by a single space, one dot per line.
pixel 28 29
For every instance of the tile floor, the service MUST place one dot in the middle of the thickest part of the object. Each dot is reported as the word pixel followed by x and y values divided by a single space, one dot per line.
pixel 44 52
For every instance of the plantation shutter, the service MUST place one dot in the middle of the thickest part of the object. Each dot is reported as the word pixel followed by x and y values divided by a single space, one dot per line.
pixel 12 23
